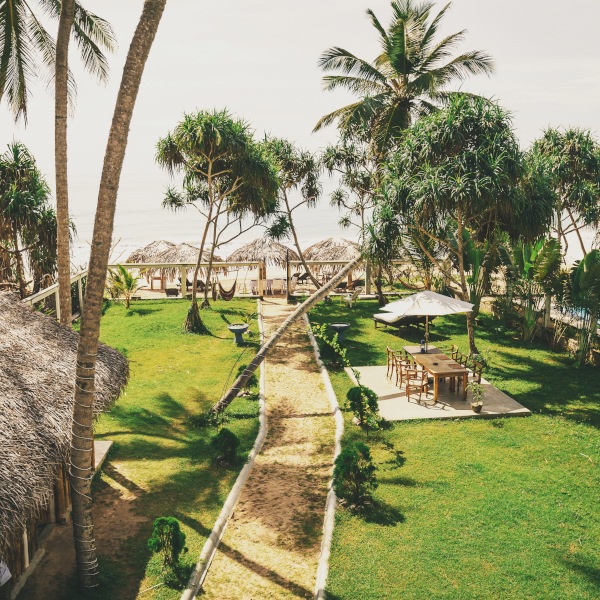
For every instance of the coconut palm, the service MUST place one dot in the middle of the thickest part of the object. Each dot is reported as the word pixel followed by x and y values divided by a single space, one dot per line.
pixel 226 172
pixel 409 78
pixel 298 170
pixel 27 48
pixel 81 469
pixel 122 284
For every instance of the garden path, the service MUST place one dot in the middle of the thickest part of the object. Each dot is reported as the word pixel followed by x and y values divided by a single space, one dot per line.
pixel 271 546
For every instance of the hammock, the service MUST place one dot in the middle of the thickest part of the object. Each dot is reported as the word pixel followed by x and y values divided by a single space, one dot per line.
pixel 227 295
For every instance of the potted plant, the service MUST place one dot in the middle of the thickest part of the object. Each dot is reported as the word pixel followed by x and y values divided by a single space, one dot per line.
pixel 476 390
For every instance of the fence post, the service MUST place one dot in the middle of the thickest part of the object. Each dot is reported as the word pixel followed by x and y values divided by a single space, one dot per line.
pixel 183 275
pixel 57 302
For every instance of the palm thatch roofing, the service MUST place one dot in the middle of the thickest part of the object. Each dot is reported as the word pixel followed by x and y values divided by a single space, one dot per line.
pixel 149 252
pixel 37 382
pixel 270 252
pixel 333 248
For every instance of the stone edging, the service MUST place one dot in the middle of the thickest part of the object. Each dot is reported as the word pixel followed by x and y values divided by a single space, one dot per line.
pixel 212 543
pixel 330 504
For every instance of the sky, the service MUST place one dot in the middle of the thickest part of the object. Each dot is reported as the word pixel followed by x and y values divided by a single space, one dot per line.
pixel 259 59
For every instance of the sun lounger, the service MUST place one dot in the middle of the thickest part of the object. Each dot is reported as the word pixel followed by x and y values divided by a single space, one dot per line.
pixel 174 292
pixel 392 320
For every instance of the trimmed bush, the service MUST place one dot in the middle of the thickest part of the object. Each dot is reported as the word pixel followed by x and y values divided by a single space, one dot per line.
pixel 225 444
pixel 363 403
pixel 354 474
pixel 168 540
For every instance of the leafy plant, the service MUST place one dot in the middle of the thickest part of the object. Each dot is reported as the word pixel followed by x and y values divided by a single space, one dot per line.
pixel 363 403
pixel 122 284
pixel 331 351
pixel 354 474
pixel 477 392
pixel 226 445
pixel 168 540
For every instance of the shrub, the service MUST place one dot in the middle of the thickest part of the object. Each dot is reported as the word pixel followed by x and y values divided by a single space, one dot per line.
pixel 363 403
pixel 168 540
pixel 354 474
pixel 225 444
pixel 333 355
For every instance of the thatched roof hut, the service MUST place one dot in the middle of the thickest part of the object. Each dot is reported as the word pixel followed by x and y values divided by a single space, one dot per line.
pixel 149 252
pixel 263 250
pixel 37 380
pixel 333 248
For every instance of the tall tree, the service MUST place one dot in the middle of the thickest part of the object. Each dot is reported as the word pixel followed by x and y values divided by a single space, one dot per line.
pixel 81 470
pixel 61 106
pixel 27 49
pixel 462 165
pixel 298 170
pixel 571 159
pixel 27 222
pixel 408 79
pixel 225 171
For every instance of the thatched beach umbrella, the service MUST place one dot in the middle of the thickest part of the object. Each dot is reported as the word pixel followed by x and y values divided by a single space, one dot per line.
pixel 149 252
pixel 179 253
pixel 267 252
pixel 333 248
pixel 37 379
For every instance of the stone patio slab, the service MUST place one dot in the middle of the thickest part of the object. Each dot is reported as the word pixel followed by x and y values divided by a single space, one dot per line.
pixel 394 406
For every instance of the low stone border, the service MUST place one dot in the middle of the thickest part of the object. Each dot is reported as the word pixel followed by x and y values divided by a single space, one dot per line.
pixel 330 504
pixel 212 543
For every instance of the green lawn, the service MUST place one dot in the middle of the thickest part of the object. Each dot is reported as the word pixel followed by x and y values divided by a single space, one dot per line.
pixel 159 456
pixel 504 508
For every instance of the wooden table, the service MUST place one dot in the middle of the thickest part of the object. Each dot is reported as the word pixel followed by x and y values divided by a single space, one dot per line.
pixel 437 364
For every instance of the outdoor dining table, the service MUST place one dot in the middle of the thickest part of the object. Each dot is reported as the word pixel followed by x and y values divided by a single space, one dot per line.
pixel 437 364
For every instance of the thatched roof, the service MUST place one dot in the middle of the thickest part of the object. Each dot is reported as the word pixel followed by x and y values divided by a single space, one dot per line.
pixel 37 381
pixel 265 250
pixel 149 252
pixel 333 248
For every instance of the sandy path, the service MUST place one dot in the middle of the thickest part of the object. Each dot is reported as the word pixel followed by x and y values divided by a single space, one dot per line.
pixel 271 545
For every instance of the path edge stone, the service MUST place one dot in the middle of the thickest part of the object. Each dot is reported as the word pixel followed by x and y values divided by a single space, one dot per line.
pixel 331 502
pixel 212 543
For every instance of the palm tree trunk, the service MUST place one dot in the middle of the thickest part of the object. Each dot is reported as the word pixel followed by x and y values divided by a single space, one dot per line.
pixel 81 468
pixel 463 283
pixel 206 301
pixel 242 380
pixel 297 243
pixel 67 16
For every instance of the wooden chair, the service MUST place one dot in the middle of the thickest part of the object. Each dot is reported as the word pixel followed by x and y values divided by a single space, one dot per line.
pixel 455 352
pixel 475 374
pixel 403 364
pixel 416 381
pixel 391 362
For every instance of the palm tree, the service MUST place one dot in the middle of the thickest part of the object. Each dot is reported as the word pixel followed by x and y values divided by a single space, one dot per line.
pixel 408 79
pixel 225 172
pixel 26 45
pixel 242 380
pixel 298 169
pixel 571 159
pixel 26 220
pixel 122 283
pixel 81 470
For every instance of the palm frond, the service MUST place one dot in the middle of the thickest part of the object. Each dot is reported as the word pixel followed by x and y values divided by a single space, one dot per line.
pixel 339 59
pixel 353 84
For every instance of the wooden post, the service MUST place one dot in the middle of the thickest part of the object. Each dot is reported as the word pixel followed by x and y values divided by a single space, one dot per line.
pixel 25 549
pixel 80 294
pixel 183 276
pixel 368 278
pixel 287 276
pixel 57 302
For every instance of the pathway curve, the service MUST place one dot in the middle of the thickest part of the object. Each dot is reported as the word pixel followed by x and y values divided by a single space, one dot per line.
pixel 271 546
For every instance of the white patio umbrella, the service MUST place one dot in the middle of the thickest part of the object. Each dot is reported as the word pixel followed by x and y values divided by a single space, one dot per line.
pixel 427 304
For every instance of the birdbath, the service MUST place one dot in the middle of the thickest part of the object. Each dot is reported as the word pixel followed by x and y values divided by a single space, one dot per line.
pixel 340 329
pixel 238 329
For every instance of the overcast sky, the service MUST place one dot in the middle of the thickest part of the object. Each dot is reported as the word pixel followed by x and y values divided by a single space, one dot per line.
pixel 259 59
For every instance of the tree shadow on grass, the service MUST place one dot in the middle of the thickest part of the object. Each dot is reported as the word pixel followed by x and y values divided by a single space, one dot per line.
pixel 380 513
pixel 141 312
pixel 586 568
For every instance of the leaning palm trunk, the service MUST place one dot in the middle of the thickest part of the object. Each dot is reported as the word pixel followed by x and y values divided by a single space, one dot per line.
pixel 320 294
pixel 67 16
pixel 81 471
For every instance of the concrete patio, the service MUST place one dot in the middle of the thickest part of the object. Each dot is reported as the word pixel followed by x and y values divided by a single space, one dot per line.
pixel 394 406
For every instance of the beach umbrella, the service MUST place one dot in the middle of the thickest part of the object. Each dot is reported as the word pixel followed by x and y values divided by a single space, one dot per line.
pixel 265 251
pixel 427 304
pixel 149 252
pixel 183 253
pixel 333 248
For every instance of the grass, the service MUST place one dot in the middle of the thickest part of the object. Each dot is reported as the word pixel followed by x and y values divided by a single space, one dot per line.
pixel 502 508
pixel 160 459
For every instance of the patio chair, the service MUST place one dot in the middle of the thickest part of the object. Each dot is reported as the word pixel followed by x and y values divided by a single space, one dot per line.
pixel 356 283
pixel 349 299
pixel 455 352
pixel 475 374
pixel 403 365
pixel 342 287
pixel 392 320
pixel 277 286
pixel 391 361
pixel 269 289
pixel 416 381
pixel 303 279
pixel 254 287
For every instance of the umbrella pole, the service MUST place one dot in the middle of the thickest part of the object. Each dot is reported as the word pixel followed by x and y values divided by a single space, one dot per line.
pixel 426 333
